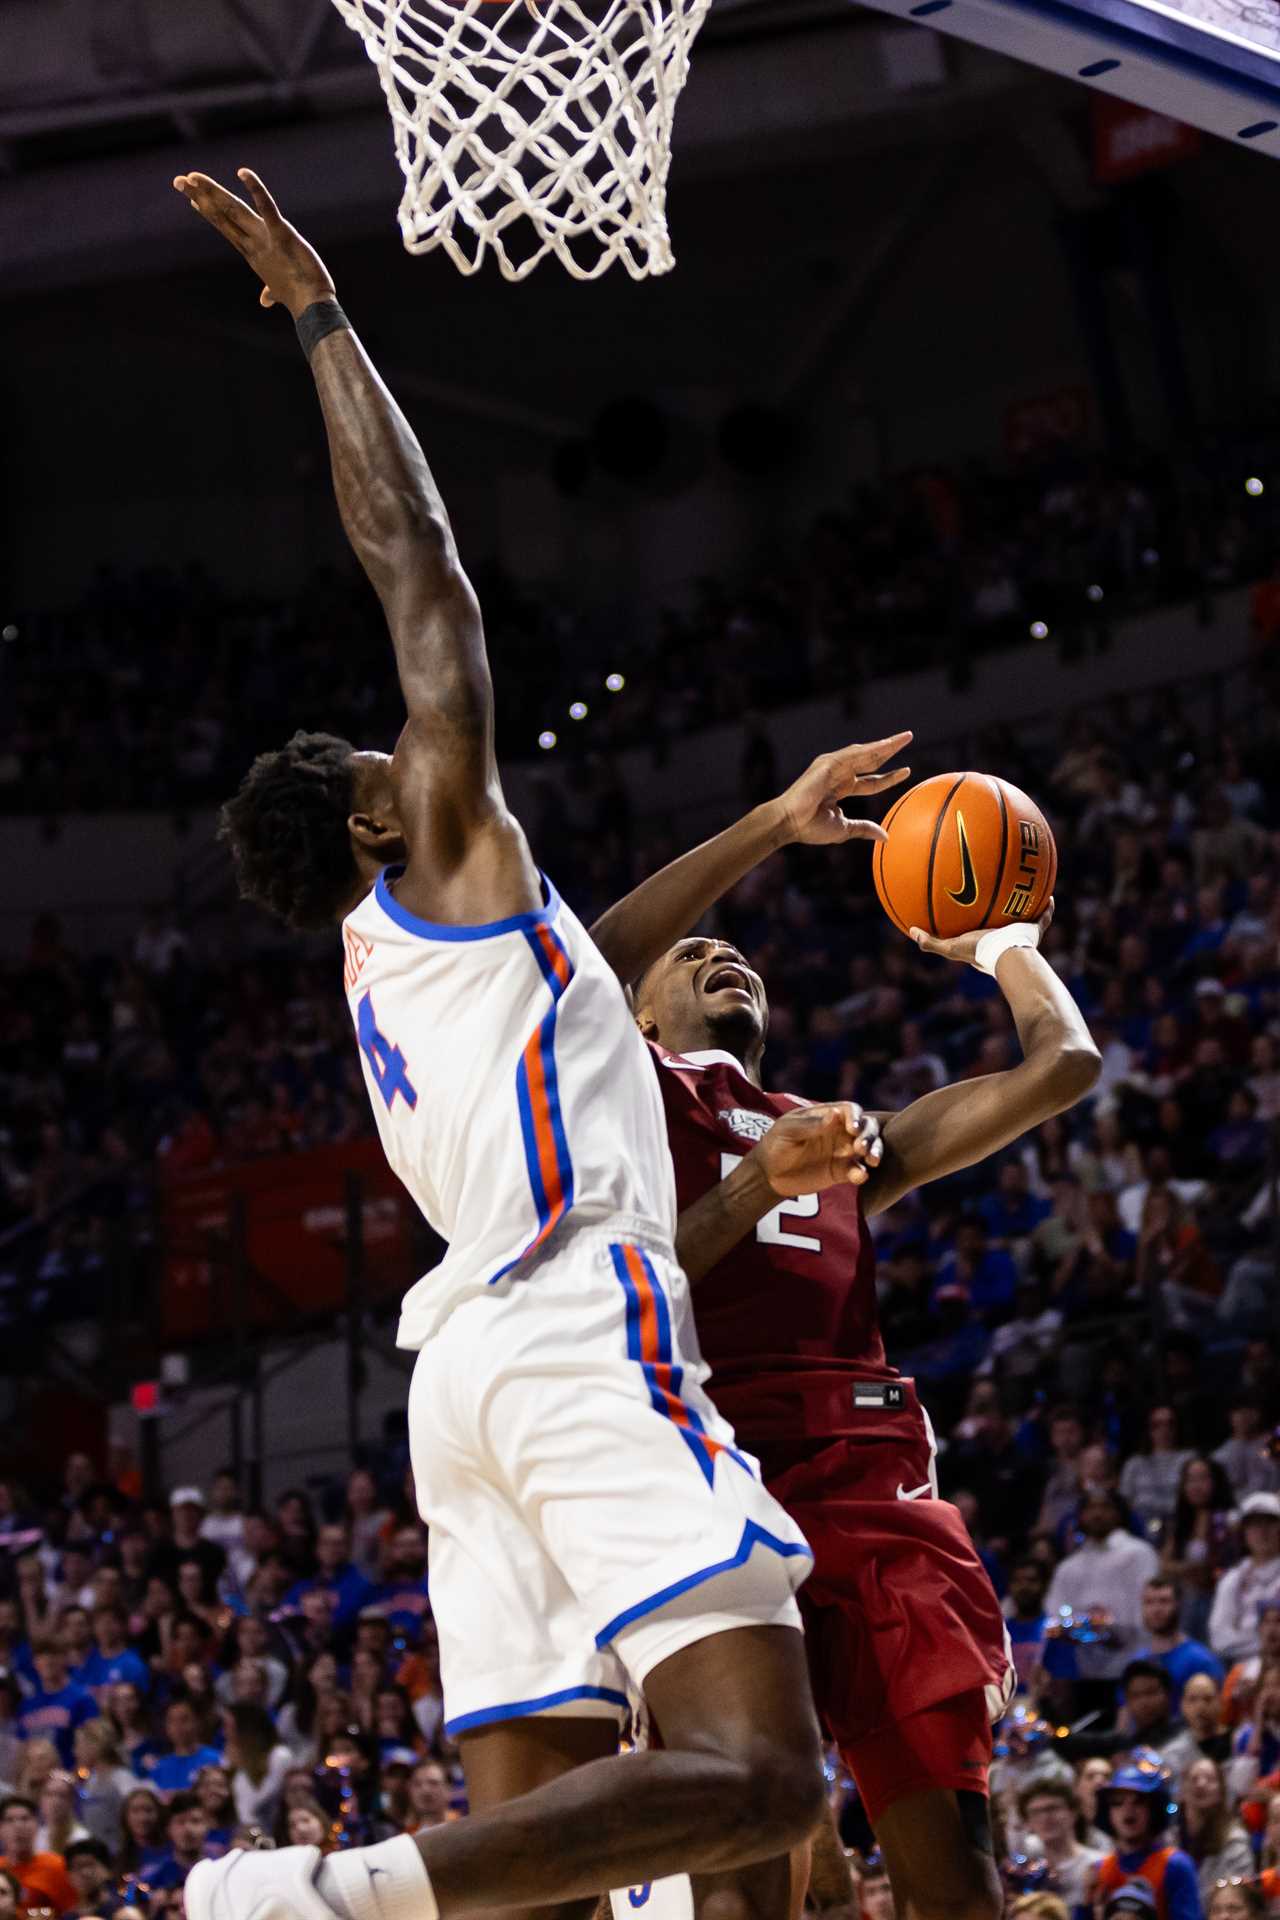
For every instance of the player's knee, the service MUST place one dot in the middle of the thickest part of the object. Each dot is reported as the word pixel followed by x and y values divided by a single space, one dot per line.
pixel 784 1794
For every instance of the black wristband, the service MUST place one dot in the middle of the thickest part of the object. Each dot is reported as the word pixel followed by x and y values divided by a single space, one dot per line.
pixel 322 317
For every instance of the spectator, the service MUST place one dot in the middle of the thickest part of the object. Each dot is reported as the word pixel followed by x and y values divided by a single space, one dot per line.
pixel 1235 1901
pixel 1244 1457
pixel 258 1761
pixel 1051 1812
pixel 187 1540
pixel 1150 1481
pixel 1061 1491
pixel 367 1520
pixel 88 1865
pixel 1202 1540
pixel 1233 1620
pixel 1106 1574
pixel 54 1707
pixel 1092 1776
pixel 1027 1620
pixel 1256 1754
pixel 223 1523
pixel 175 1770
pixel 144 1844
pixel 112 1660
pixel 335 1575
pixel 59 1825
pixel 1137 1809
pixel 428 1797
pixel 213 1790
pixel 1148 1722
pixel 139 1749
pixel 41 1876
pixel 186 1828
pixel 1166 1643
pixel 306 1825
pixel 1204 1732
pixel 1242 1680
pixel 1216 1842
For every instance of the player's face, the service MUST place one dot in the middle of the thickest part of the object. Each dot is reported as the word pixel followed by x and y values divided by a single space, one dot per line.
pixel 700 992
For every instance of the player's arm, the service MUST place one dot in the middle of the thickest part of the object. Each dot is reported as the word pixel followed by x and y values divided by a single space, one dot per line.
pixel 396 521
pixel 661 910
pixel 960 1125
pixel 805 1151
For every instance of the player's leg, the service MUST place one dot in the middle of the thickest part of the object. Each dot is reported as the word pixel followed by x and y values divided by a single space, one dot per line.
pixel 940 1859
pixel 739 1780
pixel 512 1757
pixel 923 1782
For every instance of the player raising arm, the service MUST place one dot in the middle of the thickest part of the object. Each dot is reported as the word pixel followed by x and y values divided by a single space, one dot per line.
pixel 907 1641
pixel 595 1531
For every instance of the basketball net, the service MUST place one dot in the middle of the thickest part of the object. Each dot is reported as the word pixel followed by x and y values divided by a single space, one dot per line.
pixel 531 130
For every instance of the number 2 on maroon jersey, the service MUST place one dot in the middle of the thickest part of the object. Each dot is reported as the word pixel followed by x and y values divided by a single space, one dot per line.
pixel 770 1230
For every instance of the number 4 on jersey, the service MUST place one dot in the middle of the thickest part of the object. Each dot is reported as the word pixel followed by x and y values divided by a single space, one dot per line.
pixel 385 1061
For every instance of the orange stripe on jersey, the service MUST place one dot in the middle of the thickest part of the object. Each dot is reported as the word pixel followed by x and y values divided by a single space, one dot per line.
pixel 548 1163
pixel 557 958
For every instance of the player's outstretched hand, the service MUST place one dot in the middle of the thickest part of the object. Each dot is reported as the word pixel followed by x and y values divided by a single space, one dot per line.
pixel 811 809
pixel 290 269
pixel 963 946
pixel 821 1146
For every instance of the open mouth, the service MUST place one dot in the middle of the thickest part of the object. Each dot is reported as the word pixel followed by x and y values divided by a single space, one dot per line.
pixel 728 977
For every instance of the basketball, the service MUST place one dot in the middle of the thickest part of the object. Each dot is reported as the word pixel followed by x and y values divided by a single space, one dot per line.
pixel 965 850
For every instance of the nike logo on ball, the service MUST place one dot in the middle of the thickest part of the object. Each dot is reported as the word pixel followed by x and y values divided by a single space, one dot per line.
pixel 968 891
pixel 917 1493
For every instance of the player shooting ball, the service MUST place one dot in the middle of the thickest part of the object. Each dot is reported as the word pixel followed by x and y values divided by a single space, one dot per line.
pixel 907 1643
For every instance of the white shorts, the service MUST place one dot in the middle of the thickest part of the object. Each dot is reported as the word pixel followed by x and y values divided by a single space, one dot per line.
pixel 589 1512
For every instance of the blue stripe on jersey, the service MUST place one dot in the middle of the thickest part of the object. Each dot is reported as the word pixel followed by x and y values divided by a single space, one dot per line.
pixel 662 1376
pixel 483 930
pixel 753 1535
pixel 518 1709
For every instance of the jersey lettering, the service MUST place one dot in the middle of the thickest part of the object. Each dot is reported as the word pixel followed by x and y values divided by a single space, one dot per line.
pixel 385 1061
pixel 770 1230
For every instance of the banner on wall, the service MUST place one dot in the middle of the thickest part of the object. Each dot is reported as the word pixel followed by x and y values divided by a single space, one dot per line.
pixel 295 1238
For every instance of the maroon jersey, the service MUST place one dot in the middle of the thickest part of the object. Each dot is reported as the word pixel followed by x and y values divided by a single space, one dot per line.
pixel 787 1321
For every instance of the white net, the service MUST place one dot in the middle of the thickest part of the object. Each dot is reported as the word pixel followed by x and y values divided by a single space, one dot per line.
pixel 531 130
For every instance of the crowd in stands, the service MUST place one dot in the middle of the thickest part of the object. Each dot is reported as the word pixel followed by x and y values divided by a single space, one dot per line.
pixel 1092 1318
pixel 159 685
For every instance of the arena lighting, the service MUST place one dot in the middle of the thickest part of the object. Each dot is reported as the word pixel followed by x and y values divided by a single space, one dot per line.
pixel 615 682
pixel 1150 558
pixel 1039 631
pixel 1094 592
pixel 10 632
pixel 578 711
pixel 1252 486
pixel 546 740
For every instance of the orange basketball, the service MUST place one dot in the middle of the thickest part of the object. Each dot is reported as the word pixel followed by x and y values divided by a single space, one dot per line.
pixel 965 850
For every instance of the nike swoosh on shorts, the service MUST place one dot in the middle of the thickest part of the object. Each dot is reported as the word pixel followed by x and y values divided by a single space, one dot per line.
pixel 917 1493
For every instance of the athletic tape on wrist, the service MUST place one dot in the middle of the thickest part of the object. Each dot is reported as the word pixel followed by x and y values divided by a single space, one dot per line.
pixel 998 941
pixel 317 321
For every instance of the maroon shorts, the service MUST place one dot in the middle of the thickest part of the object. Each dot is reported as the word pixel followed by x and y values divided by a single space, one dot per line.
pixel 899 1611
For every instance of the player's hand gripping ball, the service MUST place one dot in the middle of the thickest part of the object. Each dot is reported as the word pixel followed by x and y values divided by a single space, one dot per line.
pixel 965 850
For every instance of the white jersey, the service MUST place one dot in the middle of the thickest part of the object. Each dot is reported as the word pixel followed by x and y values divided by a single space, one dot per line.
pixel 509 1083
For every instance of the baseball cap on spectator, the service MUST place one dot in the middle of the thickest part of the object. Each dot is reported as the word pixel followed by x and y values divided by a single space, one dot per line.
pixel 192 1497
pixel 1260 1506
pixel 1135 1897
